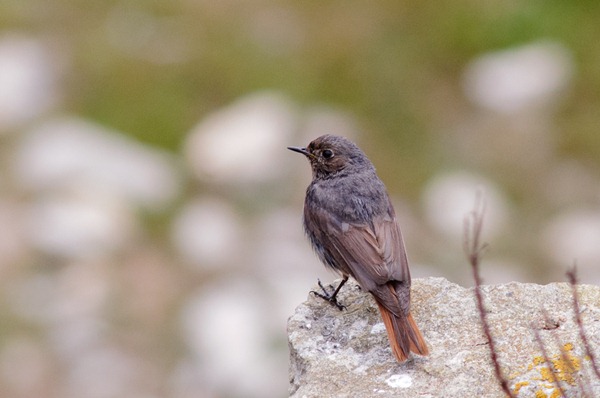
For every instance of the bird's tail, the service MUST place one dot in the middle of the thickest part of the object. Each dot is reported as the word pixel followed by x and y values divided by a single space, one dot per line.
pixel 403 333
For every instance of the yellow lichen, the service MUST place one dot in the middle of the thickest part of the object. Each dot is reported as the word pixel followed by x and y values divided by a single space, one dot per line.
pixel 568 347
pixel 538 361
pixel 519 385
pixel 566 365
pixel 555 393
pixel 547 374
pixel 563 367
pixel 540 394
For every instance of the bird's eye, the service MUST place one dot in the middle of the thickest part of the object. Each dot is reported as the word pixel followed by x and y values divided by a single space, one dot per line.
pixel 327 153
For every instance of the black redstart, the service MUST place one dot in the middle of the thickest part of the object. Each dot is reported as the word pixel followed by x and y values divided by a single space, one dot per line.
pixel 352 226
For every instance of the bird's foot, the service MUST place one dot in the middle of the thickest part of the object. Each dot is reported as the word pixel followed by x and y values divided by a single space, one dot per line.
pixel 330 297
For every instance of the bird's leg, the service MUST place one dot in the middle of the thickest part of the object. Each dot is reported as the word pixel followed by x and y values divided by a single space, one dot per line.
pixel 331 297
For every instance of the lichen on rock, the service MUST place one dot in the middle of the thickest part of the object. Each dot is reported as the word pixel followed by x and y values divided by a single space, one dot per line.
pixel 346 353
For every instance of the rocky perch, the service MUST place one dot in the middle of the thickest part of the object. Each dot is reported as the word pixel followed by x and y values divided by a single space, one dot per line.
pixel 346 353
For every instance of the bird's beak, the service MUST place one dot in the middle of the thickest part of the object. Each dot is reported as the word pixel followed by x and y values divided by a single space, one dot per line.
pixel 299 150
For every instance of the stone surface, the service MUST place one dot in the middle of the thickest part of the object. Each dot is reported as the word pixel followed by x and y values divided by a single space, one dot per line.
pixel 346 354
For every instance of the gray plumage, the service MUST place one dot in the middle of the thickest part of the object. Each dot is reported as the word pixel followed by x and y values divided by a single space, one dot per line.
pixel 351 224
pixel 350 221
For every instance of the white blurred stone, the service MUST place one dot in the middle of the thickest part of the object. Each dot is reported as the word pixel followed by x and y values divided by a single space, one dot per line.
pixel 207 233
pixel 574 236
pixel 28 75
pixel 80 224
pixel 243 143
pixel 449 197
pixel 69 152
pixel 69 307
pixel 224 327
pixel 529 76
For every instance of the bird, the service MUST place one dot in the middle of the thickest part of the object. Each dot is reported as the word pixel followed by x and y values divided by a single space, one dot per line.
pixel 351 224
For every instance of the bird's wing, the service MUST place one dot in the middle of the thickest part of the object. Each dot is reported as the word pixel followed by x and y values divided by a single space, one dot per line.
pixel 373 254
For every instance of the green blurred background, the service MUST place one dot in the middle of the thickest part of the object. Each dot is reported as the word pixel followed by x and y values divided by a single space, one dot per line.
pixel 153 68
pixel 398 72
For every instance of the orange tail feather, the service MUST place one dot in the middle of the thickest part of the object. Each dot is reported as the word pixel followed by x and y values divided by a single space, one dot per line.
pixel 404 335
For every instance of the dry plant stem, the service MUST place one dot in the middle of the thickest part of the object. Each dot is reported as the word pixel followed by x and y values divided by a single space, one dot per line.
pixel 566 360
pixel 547 359
pixel 572 276
pixel 473 249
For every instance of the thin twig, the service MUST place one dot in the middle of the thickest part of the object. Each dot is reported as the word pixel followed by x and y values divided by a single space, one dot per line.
pixel 547 359
pixel 567 362
pixel 473 249
pixel 572 275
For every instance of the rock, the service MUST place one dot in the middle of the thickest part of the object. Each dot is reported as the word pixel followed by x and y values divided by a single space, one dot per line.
pixel 30 69
pixel 347 354
pixel 229 145
pixel 516 79
pixel 67 152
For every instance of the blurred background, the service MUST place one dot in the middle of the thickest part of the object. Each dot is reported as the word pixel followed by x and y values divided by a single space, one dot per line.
pixel 150 215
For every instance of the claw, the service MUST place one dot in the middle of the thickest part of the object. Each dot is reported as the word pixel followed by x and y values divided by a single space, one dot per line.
pixel 330 297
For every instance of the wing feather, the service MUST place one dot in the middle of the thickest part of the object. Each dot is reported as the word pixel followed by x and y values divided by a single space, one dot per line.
pixel 372 253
